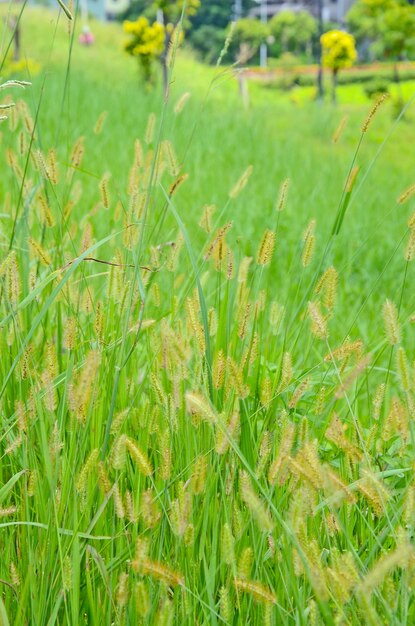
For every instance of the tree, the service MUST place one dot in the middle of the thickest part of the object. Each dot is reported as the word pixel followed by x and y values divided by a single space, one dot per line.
pixel 338 52
pixel 146 43
pixel 146 37
pixel 396 37
pixel 364 17
pixel 387 25
pixel 248 33
pixel 293 31
pixel 208 28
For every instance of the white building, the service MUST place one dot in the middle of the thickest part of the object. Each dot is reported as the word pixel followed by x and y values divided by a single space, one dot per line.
pixel 332 10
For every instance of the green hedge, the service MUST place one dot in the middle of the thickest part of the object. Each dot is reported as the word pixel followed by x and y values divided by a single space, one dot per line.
pixel 292 78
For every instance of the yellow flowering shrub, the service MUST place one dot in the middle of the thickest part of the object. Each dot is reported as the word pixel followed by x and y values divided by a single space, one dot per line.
pixel 146 42
pixel 338 49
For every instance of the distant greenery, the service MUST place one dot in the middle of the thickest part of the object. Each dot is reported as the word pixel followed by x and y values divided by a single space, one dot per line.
pixel 383 29
pixel 293 32
pixel 387 27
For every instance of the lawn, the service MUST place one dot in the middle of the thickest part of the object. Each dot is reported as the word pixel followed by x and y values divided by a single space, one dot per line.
pixel 207 340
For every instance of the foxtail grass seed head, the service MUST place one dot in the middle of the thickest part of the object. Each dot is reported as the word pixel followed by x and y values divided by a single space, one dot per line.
pixel 237 379
pixel 78 152
pixel 199 474
pixel 265 450
pixel 142 599
pixel 245 563
pixel 104 191
pixel 391 323
pixel 255 505
pixel 165 614
pixel 287 371
pixel 151 124
pixel 227 545
pixel 228 435
pixel 259 591
pixel 217 240
pixel 197 403
pixel 266 248
pixel 373 111
pixel 407 194
pixel 226 608
pixel 403 368
pixel 276 317
pixel 139 457
pixel 149 509
pixel 181 103
pixel 409 254
pixel 282 198
pixel 52 166
pixel 339 130
pixel 170 157
pixel 165 448
pixel 100 123
pixel 228 41
pixel 180 510
pixel 39 252
pixel 298 393
pixel 241 183
pixel 309 244
pixel 177 183
pixel 8 511
pixel 207 217
pixel 351 179
pixel 374 491
pixel 385 564
pixel 378 399
pixel 318 321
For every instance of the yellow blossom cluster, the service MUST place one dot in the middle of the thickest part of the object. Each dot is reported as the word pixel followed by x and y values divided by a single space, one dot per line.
pixel 338 49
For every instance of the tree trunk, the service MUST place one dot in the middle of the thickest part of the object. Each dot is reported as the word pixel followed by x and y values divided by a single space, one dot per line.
pixel 334 92
pixel 320 87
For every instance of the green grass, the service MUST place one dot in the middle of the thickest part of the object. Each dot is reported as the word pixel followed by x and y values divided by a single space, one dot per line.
pixel 184 439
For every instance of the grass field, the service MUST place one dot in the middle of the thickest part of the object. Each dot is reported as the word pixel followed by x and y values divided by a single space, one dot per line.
pixel 207 347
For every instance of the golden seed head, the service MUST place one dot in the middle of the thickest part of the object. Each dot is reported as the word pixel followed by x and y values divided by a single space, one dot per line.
pixel 409 254
pixel 104 191
pixel 241 183
pixel 142 600
pixel 318 321
pixel 200 467
pixel 227 545
pixel 151 124
pixel 100 123
pixel 309 244
pixel 266 248
pixel 259 592
pixel 254 503
pixel 206 219
pixel 282 198
pixel 138 457
pixel 181 103
pixel 407 194
pixel 225 605
pixel 339 130
pixel 391 322
pixel 373 112
pixel 351 179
